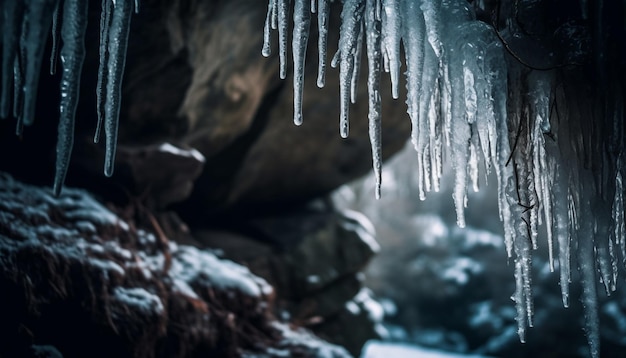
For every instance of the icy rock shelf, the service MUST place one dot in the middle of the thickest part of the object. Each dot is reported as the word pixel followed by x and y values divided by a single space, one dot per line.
pixel 555 147
pixel 475 104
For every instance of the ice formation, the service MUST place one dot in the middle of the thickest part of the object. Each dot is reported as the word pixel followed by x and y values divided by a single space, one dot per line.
pixel 26 26
pixel 555 146
pixel 554 141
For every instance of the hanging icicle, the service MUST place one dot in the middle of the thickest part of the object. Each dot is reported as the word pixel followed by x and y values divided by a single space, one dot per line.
pixel 117 43
pixel 301 24
pixel 72 57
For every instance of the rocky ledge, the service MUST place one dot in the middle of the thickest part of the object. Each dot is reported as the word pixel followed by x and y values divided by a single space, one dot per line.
pixel 77 280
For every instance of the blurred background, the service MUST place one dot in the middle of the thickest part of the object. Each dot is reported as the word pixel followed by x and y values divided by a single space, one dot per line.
pixel 449 288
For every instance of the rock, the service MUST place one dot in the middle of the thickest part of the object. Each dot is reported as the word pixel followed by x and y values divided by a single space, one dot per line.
pixel 313 257
pixel 121 291
pixel 162 174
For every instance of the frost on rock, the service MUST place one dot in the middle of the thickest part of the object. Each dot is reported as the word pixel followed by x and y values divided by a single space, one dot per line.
pixel 556 146
pixel 26 26
pixel 126 291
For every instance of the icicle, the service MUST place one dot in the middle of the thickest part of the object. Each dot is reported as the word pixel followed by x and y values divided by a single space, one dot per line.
pixel 428 145
pixel 266 51
pixel 274 14
pixel 472 168
pixel 523 263
pixel 436 140
pixel 72 58
pixel 56 23
pixel 354 82
pixel 561 227
pixel 334 62
pixel 351 16
pixel 392 27
pixel 469 92
pixel 518 298
pixel 283 13
pixel 413 32
pixel 460 130
pixel 497 79
pixel 602 240
pixel 374 56
pixel 322 25
pixel 588 278
pixel 37 21
pixel 301 23
pixel 540 93
pixel 137 4
pixel 118 41
pixel 18 93
pixel 11 26
pixel 431 10
pixel 619 229
pixel 105 25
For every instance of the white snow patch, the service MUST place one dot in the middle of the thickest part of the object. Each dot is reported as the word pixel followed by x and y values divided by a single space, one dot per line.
pixel 192 264
pixel 139 298
pixel 189 153
pixel 377 349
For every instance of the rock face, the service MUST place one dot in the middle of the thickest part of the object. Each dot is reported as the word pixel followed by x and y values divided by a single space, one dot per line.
pixel 238 113
pixel 78 279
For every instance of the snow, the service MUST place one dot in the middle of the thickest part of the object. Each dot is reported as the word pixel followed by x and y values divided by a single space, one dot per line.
pixel 377 349
pixel 193 264
pixel 301 337
pixel 139 298
pixel 188 153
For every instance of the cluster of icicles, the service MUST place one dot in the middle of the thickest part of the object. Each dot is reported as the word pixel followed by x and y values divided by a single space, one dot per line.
pixel 468 100
pixel 26 25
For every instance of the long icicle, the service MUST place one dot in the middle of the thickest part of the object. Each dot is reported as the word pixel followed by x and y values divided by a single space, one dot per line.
pixel 105 25
pixel 301 25
pixel 56 23
pixel 11 26
pixel 374 57
pixel 283 25
pixel 323 10
pixel 118 42
pixel 37 21
pixel 351 16
pixel 266 51
pixel 73 51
